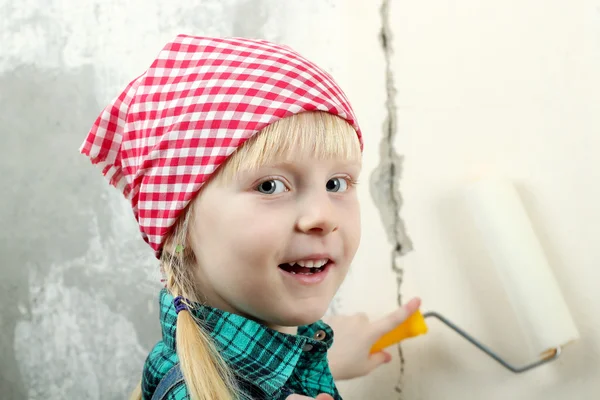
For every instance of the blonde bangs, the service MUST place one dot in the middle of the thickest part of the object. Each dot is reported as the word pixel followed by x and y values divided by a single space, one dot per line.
pixel 317 134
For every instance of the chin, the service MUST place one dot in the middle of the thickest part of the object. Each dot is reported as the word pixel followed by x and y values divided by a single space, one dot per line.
pixel 304 316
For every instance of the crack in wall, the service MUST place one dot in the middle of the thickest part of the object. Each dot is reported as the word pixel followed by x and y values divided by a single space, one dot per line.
pixel 385 179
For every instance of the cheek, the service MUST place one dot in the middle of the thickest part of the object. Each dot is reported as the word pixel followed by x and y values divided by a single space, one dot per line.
pixel 357 226
pixel 248 235
pixel 352 225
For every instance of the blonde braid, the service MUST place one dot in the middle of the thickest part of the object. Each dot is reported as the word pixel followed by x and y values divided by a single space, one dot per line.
pixel 206 374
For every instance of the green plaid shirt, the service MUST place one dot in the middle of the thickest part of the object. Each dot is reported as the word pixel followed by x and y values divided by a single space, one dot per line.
pixel 268 364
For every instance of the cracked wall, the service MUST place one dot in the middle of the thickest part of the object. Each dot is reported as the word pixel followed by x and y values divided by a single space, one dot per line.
pixel 385 179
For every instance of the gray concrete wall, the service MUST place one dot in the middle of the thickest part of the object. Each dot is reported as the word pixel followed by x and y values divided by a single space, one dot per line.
pixel 78 288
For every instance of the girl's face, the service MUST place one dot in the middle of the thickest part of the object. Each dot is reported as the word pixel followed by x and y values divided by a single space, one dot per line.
pixel 246 232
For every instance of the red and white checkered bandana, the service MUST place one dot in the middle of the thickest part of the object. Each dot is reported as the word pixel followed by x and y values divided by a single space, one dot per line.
pixel 202 98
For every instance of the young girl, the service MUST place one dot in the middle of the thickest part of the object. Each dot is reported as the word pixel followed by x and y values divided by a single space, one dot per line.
pixel 240 160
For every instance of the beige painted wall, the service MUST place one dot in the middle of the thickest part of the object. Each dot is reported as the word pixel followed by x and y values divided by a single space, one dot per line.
pixel 509 89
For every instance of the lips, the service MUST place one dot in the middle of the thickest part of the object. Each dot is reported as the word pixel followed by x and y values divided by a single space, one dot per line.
pixel 307 271
pixel 309 266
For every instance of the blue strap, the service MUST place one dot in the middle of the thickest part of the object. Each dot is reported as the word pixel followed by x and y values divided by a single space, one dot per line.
pixel 172 378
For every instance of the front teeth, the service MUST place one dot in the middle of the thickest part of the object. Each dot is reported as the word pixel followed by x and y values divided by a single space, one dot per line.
pixel 310 263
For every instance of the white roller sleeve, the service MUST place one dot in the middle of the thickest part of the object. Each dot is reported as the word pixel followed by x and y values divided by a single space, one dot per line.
pixel 506 232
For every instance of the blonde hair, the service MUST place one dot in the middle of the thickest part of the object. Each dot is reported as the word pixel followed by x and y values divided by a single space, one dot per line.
pixel 318 134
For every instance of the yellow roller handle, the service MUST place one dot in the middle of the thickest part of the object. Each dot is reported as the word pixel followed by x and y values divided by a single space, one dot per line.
pixel 413 326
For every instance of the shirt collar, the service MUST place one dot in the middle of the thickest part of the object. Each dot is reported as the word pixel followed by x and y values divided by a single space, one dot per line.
pixel 256 353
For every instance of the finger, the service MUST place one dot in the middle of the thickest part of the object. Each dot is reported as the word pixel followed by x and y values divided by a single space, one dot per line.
pixel 324 396
pixel 378 359
pixel 395 318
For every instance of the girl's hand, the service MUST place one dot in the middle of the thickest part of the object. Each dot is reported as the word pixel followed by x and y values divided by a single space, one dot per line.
pixel 319 397
pixel 350 357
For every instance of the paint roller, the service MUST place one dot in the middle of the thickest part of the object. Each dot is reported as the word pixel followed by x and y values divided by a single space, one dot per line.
pixel 524 272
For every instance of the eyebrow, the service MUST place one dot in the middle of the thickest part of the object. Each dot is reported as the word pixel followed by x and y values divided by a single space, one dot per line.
pixel 292 166
pixel 282 164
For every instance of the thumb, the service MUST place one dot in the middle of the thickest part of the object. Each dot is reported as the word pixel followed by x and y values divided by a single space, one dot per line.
pixel 324 397
pixel 377 359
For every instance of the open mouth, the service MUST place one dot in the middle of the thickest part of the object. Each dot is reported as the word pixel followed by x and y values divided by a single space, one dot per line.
pixel 306 267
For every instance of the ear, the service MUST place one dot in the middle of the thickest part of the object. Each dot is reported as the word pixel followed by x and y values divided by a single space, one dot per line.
pixel 169 245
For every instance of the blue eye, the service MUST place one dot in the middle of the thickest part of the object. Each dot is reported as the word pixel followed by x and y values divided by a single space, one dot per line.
pixel 337 185
pixel 273 186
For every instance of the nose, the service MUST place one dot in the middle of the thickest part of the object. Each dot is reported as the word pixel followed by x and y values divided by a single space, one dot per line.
pixel 317 216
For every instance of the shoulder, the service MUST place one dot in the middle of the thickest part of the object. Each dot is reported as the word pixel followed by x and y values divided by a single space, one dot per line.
pixel 172 386
pixel 178 391
pixel 158 363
